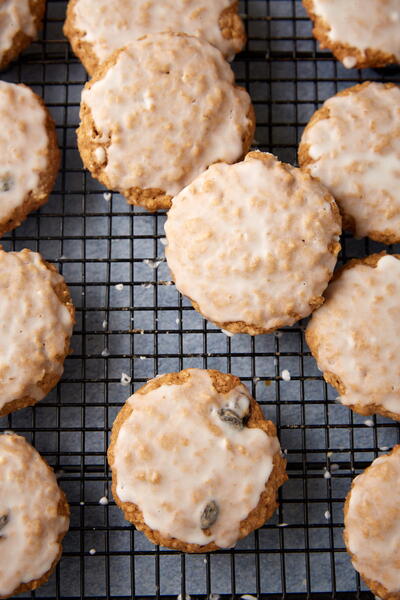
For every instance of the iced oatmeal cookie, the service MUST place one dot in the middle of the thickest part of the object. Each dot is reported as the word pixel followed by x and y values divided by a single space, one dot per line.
pixel 372 525
pixel 20 21
pixel 195 465
pixel 34 517
pixel 360 33
pixel 355 335
pixel 29 154
pixel 96 29
pixel 352 145
pixel 36 320
pixel 262 249
pixel 159 112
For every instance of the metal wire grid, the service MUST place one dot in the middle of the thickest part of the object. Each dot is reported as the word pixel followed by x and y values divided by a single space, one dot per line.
pixel 146 328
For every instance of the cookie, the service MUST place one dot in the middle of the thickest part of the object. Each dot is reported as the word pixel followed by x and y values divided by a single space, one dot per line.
pixel 34 517
pixel 352 145
pixel 262 249
pixel 159 112
pixel 360 33
pixel 30 157
pixel 20 21
pixel 372 525
pixel 96 30
pixel 355 335
pixel 36 320
pixel 195 465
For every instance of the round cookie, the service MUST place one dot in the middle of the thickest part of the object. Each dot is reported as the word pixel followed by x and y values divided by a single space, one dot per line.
pixel 20 21
pixel 352 145
pixel 355 335
pixel 372 525
pixel 34 517
pixel 360 33
pixel 195 465
pixel 261 251
pixel 133 141
pixel 96 30
pixel 36 320
pixel 30 157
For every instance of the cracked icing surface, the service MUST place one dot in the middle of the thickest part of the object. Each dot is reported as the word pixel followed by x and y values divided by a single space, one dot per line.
pixel 138 141
pixel 107 26
pixel 368 27
pixel 357 133
pixel 23 146
pixel 35 326
pixel 174 455
pixel 34 511
pixel 263 247
pixel 372 523
pixel 355 335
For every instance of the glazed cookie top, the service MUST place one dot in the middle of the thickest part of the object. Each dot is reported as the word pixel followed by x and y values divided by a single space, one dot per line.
pixel 355 335
pixel 107 26
pixel 352 145
pixel 185 458
pixel 361 25
pixel 263 246
pixel 141 141
pixel 372 522
pixel 32 521
pixel 23 144
pixel 35 325
pixel 15 16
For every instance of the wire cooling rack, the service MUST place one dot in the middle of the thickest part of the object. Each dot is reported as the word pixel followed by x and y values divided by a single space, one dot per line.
pixel 130 319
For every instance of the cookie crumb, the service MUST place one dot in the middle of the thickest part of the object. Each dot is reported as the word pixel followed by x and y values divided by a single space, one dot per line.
pixel 103 501
pixel 119 287
pixel 125 379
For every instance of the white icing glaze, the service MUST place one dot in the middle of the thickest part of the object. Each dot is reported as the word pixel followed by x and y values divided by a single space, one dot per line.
pixel 107 26
pixel 15 16
pixel 258 250
pixel 23 145
pixel 34 325
pixel 29 497
pixel 174 455
pixel 362 24
pixel 357 333
pixel 373 521
pixel 356 154
pixel 151 145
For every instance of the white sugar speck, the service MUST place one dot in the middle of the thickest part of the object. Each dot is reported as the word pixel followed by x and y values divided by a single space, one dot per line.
pixel 369 423
pixel 119 286
pixel 125 379
pixel 82 503
pixel 384 448
pixel 146 285
pixel 327 514
pixel 103 501
pixel 105 352
pixel 104 324
pixel 256 379
pixel 248 597
pixel 228 333
pixel 107 196
pixel 329 454
pixel 327 475
pixel 92 551
pixel 282 524
pixel 177 321
pixel 164 241
pixel 153 264
pixel 142 357
pixel 286 375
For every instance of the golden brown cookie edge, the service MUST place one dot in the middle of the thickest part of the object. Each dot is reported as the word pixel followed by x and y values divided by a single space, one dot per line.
pixel 21 40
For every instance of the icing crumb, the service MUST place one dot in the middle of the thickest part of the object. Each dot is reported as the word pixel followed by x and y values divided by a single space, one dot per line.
pixel 104 324
pixel 349 62
pixel 384 448
pixel 248 597
pixel 164 241
pixel 107 196
pixel 119 286
pixel 228 333
pixel 256 379
pixel 153 264
pixel 327 515
pixel 142 357
pixel 282 524
pixel 103 501
pixel 105 352
pixel 327 474
pixel 329 454
pixel 125 379
pixel 81 503
pixel 286 375
pixel 369 423
pixel 92 551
